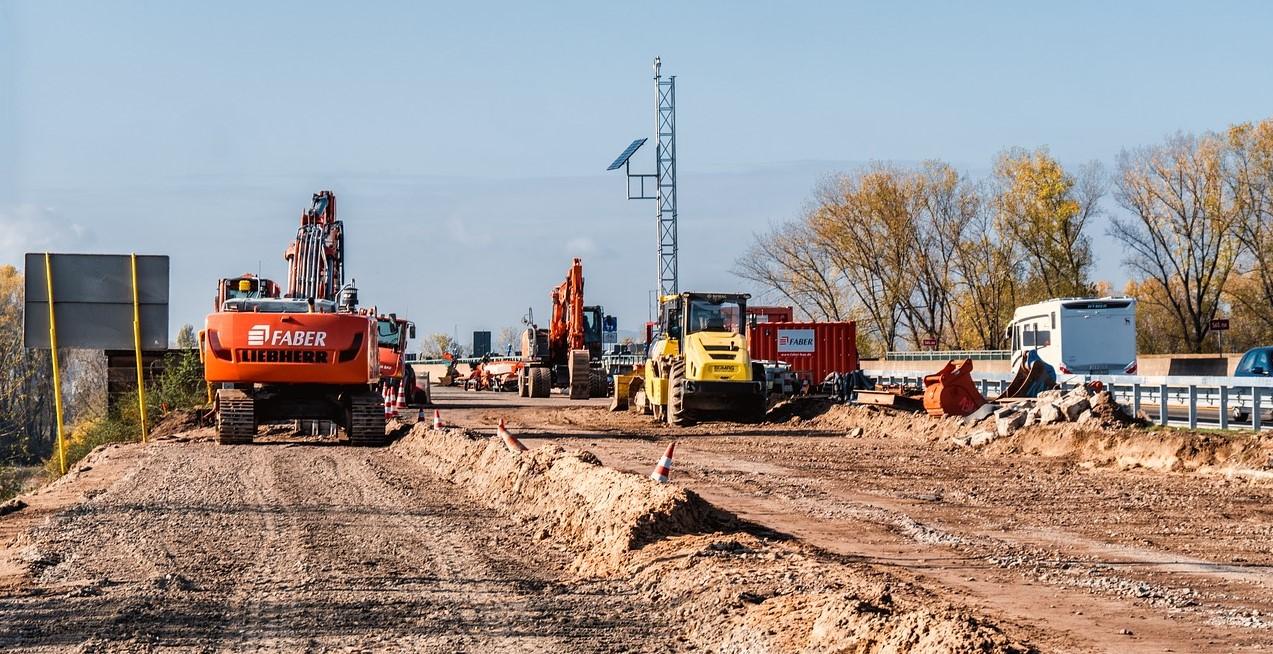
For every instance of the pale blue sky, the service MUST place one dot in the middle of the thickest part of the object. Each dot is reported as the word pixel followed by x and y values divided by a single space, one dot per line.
pixel 466 142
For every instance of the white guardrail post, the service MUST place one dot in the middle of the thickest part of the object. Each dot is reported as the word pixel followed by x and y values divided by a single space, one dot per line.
pixel 1255 408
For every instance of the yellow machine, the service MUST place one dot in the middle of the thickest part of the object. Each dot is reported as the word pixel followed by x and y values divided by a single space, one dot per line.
pixel 697 365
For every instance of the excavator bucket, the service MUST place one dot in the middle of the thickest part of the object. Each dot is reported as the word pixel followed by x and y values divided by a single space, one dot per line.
pixel 951 392
pixel 1033 377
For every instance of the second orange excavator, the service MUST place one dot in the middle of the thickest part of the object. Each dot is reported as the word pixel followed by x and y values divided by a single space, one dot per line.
pixel 568 353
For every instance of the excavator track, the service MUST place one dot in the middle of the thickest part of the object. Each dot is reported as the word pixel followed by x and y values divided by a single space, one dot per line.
pixel 366 425
pixel 236 417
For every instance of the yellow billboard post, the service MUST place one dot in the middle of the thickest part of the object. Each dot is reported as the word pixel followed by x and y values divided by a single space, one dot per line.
pixel 141 384
pixel 57 372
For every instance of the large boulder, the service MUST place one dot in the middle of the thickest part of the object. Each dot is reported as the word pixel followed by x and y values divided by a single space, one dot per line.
pixel 1049 413
pixel 1074 405
pixel 1009 422
pixel 1053 395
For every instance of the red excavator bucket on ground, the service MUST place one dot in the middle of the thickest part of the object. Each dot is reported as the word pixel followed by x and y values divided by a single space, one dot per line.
pixel 951 391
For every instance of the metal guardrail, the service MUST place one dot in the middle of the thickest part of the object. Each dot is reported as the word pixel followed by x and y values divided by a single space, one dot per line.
pixel 468 360
pixel 947 355
pixel 1250 396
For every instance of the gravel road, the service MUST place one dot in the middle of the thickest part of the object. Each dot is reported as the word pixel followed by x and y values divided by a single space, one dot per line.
pixel 196 547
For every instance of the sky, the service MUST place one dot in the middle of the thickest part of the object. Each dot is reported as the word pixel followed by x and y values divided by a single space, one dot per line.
pixel 467 142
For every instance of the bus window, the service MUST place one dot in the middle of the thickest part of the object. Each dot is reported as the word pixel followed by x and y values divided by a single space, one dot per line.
pixel 1042 338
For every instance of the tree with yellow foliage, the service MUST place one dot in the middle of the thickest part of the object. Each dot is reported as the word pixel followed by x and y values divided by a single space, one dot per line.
pixel 1043 211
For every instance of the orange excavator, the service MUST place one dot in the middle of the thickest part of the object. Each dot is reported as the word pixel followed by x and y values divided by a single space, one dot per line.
pixel 568 353
pixel 393 334
pixel 307 355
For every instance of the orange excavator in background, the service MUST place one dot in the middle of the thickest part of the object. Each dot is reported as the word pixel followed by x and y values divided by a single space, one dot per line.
pixel 568 353
pixel 310 354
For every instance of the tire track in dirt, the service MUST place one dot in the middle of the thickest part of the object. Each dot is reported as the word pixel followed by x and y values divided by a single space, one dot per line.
pixel 310 548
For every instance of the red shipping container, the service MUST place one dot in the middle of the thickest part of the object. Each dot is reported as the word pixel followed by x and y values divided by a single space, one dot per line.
pixel 770 314
pixel 814 349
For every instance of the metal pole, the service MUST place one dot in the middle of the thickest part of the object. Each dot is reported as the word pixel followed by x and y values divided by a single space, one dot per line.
pixel 57 371
pixel 141 385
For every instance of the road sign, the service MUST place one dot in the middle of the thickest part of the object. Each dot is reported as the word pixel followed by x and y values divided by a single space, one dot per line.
pixel 93 301
pixel 930 342
pixel 1219 324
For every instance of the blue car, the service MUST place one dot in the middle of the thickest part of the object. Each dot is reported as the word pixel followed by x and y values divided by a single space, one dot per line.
pixel 1255 363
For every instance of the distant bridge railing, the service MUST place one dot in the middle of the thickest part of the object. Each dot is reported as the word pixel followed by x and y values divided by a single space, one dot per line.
pixel 947 355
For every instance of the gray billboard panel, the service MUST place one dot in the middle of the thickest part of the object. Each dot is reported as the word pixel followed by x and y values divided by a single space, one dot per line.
pixel 93 301
pixel 481 344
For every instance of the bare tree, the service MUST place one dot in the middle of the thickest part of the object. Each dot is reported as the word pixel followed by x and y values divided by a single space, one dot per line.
pixel 792 262
pixel 1180 235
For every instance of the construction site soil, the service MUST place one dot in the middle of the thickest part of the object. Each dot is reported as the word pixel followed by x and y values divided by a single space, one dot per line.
pixel 826 528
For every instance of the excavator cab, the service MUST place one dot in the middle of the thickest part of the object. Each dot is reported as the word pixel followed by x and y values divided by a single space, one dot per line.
pixel 245 287
pixel 593 317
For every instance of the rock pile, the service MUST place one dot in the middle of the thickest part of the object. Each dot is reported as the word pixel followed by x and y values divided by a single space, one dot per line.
pixel 1081 405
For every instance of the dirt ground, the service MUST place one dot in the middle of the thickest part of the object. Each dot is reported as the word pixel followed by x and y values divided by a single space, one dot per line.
pixel 194 547
pixel 1073 551
pixel 823 529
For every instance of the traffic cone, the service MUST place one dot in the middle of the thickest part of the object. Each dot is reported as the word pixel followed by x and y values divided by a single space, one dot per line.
pixel 402 398
pixel 437 419
pixel 384 399
pixel 515 446
pixel 419 415
pixel 664 468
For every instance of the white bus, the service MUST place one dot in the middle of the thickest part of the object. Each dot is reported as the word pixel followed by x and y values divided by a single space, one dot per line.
pixel 1080 336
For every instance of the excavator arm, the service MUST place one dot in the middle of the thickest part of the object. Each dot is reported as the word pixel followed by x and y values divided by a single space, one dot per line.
pixel 316 259
pixel 566 331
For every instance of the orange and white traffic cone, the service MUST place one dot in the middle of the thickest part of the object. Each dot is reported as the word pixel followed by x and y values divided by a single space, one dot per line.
pixel 384 398
pixel 402 398
pixel 437 419
pixel 419 415
pixel 664 468
pixel 515 446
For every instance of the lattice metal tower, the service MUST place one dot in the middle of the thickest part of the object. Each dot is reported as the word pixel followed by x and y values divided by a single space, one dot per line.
pixel 664 178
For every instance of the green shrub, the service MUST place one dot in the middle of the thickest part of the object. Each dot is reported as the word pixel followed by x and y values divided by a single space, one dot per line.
pixel 179 386
pixel 10 482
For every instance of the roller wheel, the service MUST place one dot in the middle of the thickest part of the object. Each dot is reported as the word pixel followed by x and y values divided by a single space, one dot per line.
pixel 677 415
pixel 236 417
pixel 540 383
pixel 600 386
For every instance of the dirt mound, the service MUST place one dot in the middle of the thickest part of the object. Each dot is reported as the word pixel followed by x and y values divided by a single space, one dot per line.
pixel 739 589
pixel 569 494
pixel 179 421
pixel 1235 454
pixel 885 422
